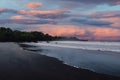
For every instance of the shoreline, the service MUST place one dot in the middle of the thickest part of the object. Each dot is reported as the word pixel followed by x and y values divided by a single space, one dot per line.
pixel 19 64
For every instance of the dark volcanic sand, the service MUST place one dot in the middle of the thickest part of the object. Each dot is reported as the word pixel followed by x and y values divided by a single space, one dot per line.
pixel 19 64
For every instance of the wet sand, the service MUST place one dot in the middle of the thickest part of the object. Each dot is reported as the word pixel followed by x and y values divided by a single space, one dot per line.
pixel 19 64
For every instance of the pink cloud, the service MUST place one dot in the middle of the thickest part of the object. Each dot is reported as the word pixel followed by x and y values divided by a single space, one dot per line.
pixel 38 12
pixel 59 30
pixel 113 17
pixel 44 13
pixel 34 5
pixel 17 17
pixel 118 2
pixel 92 33
pixel 114 20
pixel 105 33
pixel 2 9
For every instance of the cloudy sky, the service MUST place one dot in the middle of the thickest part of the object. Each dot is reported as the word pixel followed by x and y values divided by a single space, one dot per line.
pixel 85 19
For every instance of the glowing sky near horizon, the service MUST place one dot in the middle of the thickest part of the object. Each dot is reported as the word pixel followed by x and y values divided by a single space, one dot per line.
pixel 85 19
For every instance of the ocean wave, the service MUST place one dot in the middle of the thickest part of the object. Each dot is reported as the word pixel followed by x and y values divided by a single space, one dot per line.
pixel 99 46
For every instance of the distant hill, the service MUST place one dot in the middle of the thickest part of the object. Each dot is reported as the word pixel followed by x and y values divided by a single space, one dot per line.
pixel 72 39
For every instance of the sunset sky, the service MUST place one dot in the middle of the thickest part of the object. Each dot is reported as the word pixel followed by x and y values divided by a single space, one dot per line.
pixel 85 19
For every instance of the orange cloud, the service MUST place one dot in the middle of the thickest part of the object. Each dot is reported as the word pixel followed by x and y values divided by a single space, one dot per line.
pixel 34 5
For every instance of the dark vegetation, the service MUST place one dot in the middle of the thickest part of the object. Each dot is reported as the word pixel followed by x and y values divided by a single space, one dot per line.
pixel 8 35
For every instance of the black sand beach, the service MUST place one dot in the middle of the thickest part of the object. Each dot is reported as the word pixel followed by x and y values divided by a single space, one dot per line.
pixel 19 64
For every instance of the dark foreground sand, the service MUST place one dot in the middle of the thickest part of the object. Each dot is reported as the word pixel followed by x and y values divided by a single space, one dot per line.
pixel 19 64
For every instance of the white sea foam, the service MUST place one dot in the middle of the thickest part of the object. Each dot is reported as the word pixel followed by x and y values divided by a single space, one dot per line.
pixel 101 46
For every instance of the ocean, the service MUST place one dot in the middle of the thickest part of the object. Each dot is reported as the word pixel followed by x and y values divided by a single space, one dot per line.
pixel 100 57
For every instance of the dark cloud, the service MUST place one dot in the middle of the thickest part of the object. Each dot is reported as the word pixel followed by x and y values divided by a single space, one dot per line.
pixel 52 16
pixel 104 14
pixel 48 14
pixel 4 10
pixel 92 22
pixel 26 21
pixel 111 2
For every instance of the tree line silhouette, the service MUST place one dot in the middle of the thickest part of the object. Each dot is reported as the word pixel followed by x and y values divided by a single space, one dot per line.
pixel 9 35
